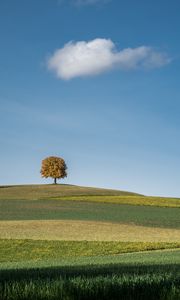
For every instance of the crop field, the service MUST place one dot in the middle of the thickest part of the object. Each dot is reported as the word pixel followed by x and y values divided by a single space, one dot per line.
pixel 124 199
pixel 68 242
pixel 85 230
pixel 151 275
pixel 166 217
pixel 36 250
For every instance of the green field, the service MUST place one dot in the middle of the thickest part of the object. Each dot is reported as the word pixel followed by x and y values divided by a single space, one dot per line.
pixel 76 210
pixel 167 258
pixel 151 275
pixel 70 242
pixel 36 250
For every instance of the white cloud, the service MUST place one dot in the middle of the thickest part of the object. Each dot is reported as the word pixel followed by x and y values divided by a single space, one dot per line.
pixel 78 59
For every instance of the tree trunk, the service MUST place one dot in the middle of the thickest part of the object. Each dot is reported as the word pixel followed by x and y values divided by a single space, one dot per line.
pixel 55 181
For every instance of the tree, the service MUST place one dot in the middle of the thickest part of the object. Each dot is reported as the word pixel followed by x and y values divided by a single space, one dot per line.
pixel 54 167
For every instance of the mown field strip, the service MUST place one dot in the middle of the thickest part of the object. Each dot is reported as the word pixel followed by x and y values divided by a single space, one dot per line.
pixel 85 230
pixel 130 200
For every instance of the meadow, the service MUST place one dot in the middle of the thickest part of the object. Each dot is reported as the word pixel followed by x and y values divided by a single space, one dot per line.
pixel 68 242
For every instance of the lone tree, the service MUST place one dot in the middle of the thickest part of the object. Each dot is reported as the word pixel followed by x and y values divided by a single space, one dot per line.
pixel 54 167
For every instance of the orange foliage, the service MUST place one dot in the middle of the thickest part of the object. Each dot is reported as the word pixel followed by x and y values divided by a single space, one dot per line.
pixel 54 167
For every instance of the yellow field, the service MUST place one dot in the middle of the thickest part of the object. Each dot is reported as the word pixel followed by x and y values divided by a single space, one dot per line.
pixel 85 230
pixel 129 200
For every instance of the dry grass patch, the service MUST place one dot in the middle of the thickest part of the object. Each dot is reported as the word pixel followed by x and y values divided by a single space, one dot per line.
pixel 85 230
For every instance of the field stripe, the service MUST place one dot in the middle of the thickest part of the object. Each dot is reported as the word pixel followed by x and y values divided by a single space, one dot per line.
pixel 14 250
pixel 85 230
pixel 118 199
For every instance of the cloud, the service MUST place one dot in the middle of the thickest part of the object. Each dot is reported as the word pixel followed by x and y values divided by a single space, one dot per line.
pixel 79 59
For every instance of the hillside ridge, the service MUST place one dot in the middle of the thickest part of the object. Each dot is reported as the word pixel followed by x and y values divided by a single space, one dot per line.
pixel 37 191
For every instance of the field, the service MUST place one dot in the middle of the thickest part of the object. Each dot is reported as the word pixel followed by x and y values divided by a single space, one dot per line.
pixel 149 275
pixel 69 242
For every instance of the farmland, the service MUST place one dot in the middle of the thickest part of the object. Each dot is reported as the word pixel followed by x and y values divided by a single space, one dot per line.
pixel 68 242
pixel 149 275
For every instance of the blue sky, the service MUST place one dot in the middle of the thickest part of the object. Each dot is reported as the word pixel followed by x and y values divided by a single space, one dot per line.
pixel 97 83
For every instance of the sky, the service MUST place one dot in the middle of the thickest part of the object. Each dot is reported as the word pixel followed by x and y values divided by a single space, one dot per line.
pixel 96 82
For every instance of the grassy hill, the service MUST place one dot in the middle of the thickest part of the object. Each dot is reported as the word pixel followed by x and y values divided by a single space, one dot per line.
pixel 39 191
pixel 72 242
pixel 65 192
pixel 68 212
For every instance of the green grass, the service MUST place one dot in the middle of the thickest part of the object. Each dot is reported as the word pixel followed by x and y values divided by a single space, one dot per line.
pixel 72 270
pixel 109 287
pixel 74 210
pixel 22 250
pixel 57 274
pixel 150 276
pixel 80 264
pixel 35 192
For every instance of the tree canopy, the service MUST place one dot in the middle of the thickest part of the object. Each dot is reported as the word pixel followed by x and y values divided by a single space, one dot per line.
pixel 54 167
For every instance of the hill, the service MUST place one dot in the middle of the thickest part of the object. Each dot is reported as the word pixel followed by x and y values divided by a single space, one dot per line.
pixel 63 241
pixel 68 212
pixel 35 191
pixel 66 192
